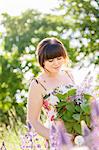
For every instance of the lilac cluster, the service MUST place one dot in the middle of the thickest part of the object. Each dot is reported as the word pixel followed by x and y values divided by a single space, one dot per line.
pixel 53 137
pixel 27 139
pixel 92 137
pixel 87 84
pixel 59 138
pixel 84 88
pixel 95 124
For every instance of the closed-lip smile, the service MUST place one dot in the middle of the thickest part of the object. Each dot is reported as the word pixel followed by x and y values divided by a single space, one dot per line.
pixel 56 67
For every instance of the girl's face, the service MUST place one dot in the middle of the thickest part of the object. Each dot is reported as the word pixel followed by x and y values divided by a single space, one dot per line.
pixel 54 65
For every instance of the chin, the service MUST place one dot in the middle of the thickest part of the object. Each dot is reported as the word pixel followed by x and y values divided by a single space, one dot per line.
pixel 56 71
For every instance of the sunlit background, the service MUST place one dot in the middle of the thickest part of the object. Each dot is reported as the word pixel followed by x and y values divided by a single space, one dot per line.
pixel 16 7
pixel 74 22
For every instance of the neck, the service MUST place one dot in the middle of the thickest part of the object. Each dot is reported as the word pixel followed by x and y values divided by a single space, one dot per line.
pixel 51 75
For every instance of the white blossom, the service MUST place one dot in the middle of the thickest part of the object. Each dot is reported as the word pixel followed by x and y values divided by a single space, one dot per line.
pixel 53 99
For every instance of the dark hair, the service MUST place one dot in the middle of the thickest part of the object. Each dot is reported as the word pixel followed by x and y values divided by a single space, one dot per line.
pixel 50 48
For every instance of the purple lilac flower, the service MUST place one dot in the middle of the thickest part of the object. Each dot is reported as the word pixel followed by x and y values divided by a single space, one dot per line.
pixel 95 139
pixel 92 140
pixel 94 143
pixel 64 139
pixel 85 129
pixel 95 113
pixel 96 108
pixel 59 139
pixel 27 142
pixel 38 145
pixel 92 137
pixel 53 137
pixel 29 126
pixel 86 78
pixel 87 83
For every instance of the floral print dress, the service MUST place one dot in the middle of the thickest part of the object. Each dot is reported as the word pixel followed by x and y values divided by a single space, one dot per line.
pixel 49 111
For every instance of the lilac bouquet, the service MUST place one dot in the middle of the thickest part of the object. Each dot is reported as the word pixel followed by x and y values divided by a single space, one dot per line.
pixel 74 105
pixel 89 138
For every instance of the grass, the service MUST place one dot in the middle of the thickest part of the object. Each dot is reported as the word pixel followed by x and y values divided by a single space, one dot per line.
pixel 11 138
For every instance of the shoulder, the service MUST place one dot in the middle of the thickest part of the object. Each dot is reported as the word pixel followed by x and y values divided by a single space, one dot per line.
pixel 34 81
pixel 35 95
pixel 36 85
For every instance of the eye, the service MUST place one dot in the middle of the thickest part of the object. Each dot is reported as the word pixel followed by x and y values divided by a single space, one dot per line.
pixel 50 60
pixel 59 58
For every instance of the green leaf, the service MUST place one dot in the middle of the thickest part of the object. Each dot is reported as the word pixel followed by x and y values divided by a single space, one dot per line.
pixel 69 127
pixel 77 108
pixel 76 117
pixel 62 96
pixel 6 106
pixel 77 128
pixel 72 92
pixel 85 107
pixel 70 106
pixel 87 96
pixel 67 116
pixel 87 120
pixel 61 104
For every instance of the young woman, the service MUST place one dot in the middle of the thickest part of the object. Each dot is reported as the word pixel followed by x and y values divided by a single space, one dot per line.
pixel 52 56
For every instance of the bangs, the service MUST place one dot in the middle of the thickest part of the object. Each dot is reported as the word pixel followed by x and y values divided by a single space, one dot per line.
pixel 53 50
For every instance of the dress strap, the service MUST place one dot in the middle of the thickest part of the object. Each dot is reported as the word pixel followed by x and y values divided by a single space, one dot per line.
pixel 38 82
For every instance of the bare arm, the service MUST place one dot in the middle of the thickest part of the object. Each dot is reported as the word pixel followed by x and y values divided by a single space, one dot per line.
pixel 34 105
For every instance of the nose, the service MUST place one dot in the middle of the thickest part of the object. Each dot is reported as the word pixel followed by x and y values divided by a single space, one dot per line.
pixel 56 62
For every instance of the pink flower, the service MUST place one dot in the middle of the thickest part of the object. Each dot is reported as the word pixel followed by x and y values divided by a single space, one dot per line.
pixel 52 117
pixel 46 105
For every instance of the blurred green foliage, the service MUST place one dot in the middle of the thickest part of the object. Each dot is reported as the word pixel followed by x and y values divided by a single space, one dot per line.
pixel 72 21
